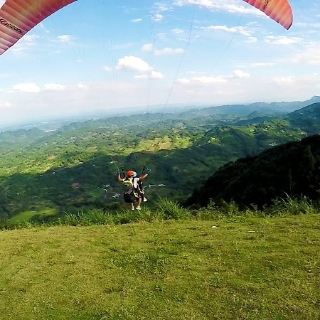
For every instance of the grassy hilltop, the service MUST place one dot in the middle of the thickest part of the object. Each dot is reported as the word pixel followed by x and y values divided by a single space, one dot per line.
pixel 227 268
pixel 69 255
pixel 50 172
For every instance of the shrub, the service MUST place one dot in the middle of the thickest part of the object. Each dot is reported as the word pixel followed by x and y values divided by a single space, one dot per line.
pixel 294 206
pixel 168 209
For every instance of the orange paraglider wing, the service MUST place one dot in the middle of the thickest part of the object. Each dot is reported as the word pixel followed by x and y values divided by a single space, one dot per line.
pixel 17 17
pixel 278 10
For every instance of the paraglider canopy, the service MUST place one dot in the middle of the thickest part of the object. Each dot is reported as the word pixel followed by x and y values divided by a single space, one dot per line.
pixel 17 17
pixel 278 10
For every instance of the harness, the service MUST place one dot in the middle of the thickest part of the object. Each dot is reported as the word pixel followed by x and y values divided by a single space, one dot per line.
pixel 134 191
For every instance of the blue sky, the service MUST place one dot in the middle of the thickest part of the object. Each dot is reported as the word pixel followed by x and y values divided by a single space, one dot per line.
pixel 107 54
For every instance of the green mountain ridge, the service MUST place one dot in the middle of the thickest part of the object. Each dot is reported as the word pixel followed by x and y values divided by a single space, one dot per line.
pixel 291 169
pixel 67 169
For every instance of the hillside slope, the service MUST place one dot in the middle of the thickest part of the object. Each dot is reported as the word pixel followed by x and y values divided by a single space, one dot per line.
pixel 307 119
pixel 290 169
pixel 67 169
pixel 232 268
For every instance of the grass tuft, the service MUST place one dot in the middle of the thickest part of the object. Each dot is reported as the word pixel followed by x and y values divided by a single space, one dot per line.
pixel 292 206
pixel 168 210
pixel 165 210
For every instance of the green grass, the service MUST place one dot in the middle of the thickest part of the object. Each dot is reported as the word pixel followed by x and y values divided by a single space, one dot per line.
pixel 27 216
pixel 163 209
pixel 240 267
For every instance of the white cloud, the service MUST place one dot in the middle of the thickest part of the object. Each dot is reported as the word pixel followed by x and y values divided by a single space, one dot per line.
pixel 284 80
pixel 139 66
pixel 81 86
pixel 206 80
pixel 5 104
pixel 168 51
pixel 27 41
pixel 239 29
pixel 177 31
pixel 107 68
pixel 32 87
pixel 240 74
pixel 261 64
pixel 232 76
pixel 231 6
pixel 65 38
pixel 158 11
pixel 251 39
pixel 162 36
pixel 308 55
pixel 194 89
pixel 148 47
pixel 202 80
pixel 134 64
pixel 137 20
pixel 298 83
pixel 54 87
pixel 282 40
pixel 29 87
pixel 157 17
pixel 150 75
pixel 307 25
pixel 230 89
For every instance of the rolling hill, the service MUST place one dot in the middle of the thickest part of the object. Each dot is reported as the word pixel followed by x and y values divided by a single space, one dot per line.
pixel 291 169
pixel 50 172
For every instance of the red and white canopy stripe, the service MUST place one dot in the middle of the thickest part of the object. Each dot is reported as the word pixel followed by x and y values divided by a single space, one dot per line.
pixel 278 10
pixel 17 17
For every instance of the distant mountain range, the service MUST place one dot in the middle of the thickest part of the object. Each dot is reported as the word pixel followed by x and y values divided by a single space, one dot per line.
pixel 306 118
pixel 252 110
pixel 255 109
pixel 291 169
pixel 50 171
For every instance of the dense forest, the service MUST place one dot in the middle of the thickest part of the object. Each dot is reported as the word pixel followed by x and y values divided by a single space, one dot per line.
pixel 292 169
pixel 48 172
